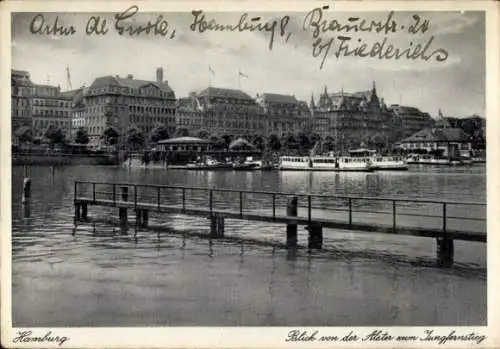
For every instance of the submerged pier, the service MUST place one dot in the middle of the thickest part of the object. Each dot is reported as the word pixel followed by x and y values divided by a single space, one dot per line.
pixel 444 221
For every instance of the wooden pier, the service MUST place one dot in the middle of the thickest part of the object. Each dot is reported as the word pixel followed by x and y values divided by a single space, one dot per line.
pixel 444 221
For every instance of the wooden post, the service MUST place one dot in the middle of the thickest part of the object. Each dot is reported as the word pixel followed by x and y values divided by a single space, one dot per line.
pixel 315 236
pixel 291 229
pixel 445 252
pixel 213 225
pixel 26 190
pixel 123 210
pixel 220 226
pixel 77 211
pixel 138 217
pixel 145 218
pixel 84 211
pixel 124 191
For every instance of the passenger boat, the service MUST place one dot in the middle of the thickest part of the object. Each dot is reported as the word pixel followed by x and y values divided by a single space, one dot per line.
pixel 392 163
pixel 381 162
pixel 324 163
pixel 433 160
pixel 208 165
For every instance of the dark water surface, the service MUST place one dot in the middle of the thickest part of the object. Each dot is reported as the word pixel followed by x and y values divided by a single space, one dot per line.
pixel 360 279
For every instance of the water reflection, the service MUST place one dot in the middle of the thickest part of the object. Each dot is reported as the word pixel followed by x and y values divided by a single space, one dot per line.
pixel 273 286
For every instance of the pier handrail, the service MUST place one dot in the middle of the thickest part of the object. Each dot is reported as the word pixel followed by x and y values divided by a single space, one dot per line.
pixel 274 193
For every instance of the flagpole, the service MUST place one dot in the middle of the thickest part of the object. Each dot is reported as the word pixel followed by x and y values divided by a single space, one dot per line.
pixel 239 78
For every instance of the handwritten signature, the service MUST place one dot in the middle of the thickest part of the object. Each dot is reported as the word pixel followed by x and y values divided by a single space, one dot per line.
pixel 28 337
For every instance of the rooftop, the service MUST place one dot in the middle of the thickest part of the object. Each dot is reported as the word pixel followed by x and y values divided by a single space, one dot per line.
pixel 279 98
pixel 451 134
pixel 224 93
pixel 128 82
pixel 189 140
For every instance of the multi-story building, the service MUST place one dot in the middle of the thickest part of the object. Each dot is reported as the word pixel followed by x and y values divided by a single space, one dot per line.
pixel 127 102
pixel 283 114
pixel 408 120
pixel 21 93
pixel 50 108
pixel 353 119
pixel 219 111
pixel 77 109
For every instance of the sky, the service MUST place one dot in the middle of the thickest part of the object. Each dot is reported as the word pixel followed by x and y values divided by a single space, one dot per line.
pixel 456 85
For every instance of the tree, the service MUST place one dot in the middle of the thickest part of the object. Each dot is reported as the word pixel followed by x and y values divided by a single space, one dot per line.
pixel 329 143
pixel 55 135
pixel 258 141
pixel 226 140
pixel 274 142
pixel 24 135
pixel 159 133
pixel 135 138
pixel 303 141
pixel 290 142
pixel 81 136
pixel 203 134
pixel 315 138
pixel 181 132
pixel 110 136
pixel 217 142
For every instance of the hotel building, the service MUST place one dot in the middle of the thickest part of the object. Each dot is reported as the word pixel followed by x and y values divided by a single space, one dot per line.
pixel 125 102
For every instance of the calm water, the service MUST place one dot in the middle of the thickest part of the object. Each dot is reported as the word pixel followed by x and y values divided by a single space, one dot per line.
pixel 361 279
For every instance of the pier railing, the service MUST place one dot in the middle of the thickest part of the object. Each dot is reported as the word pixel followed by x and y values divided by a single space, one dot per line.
pixel 465 220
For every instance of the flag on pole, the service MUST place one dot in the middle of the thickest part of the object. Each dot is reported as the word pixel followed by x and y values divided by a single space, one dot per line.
pixel 241 74
pixel 211 70
pixel 68 78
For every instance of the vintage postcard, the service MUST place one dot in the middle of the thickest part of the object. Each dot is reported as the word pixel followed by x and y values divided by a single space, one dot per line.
pixel 227 174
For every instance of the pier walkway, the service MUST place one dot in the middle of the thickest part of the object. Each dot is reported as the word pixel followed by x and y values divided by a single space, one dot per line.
pixel 443 220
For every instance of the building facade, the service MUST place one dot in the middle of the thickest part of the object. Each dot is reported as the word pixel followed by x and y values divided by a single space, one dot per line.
pixel 283 114
pixel 220 111
pixel 21 97
pixel 408 120
pixel 123 103
pixel 353 119
pixel 448 141
pixel 50 108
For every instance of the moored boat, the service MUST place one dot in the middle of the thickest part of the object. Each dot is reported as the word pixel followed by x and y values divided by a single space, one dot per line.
pixel 324 163
pixel 381 162
pixel 392 163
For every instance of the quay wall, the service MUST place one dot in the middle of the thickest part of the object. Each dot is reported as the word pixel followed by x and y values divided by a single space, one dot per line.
pixel 62 159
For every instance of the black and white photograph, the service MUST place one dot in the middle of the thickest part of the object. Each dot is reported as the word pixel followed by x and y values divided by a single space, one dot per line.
pixel 315 175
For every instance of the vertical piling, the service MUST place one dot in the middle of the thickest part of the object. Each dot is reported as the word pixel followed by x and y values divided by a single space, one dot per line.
pixel 123 211
pixel 220 226
pixel 445 252
pixel 291 229
pixel 315 236
pixel 145 218
pixel 213 225
pixel 138 217
pixel 84 211
pixel 26 190
pixel 77 212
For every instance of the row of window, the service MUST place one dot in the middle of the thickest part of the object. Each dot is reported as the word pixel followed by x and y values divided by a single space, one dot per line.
pixel 126 90
pixel 50 112
pixel 431 145
pixel 46 123
pixel 51 103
